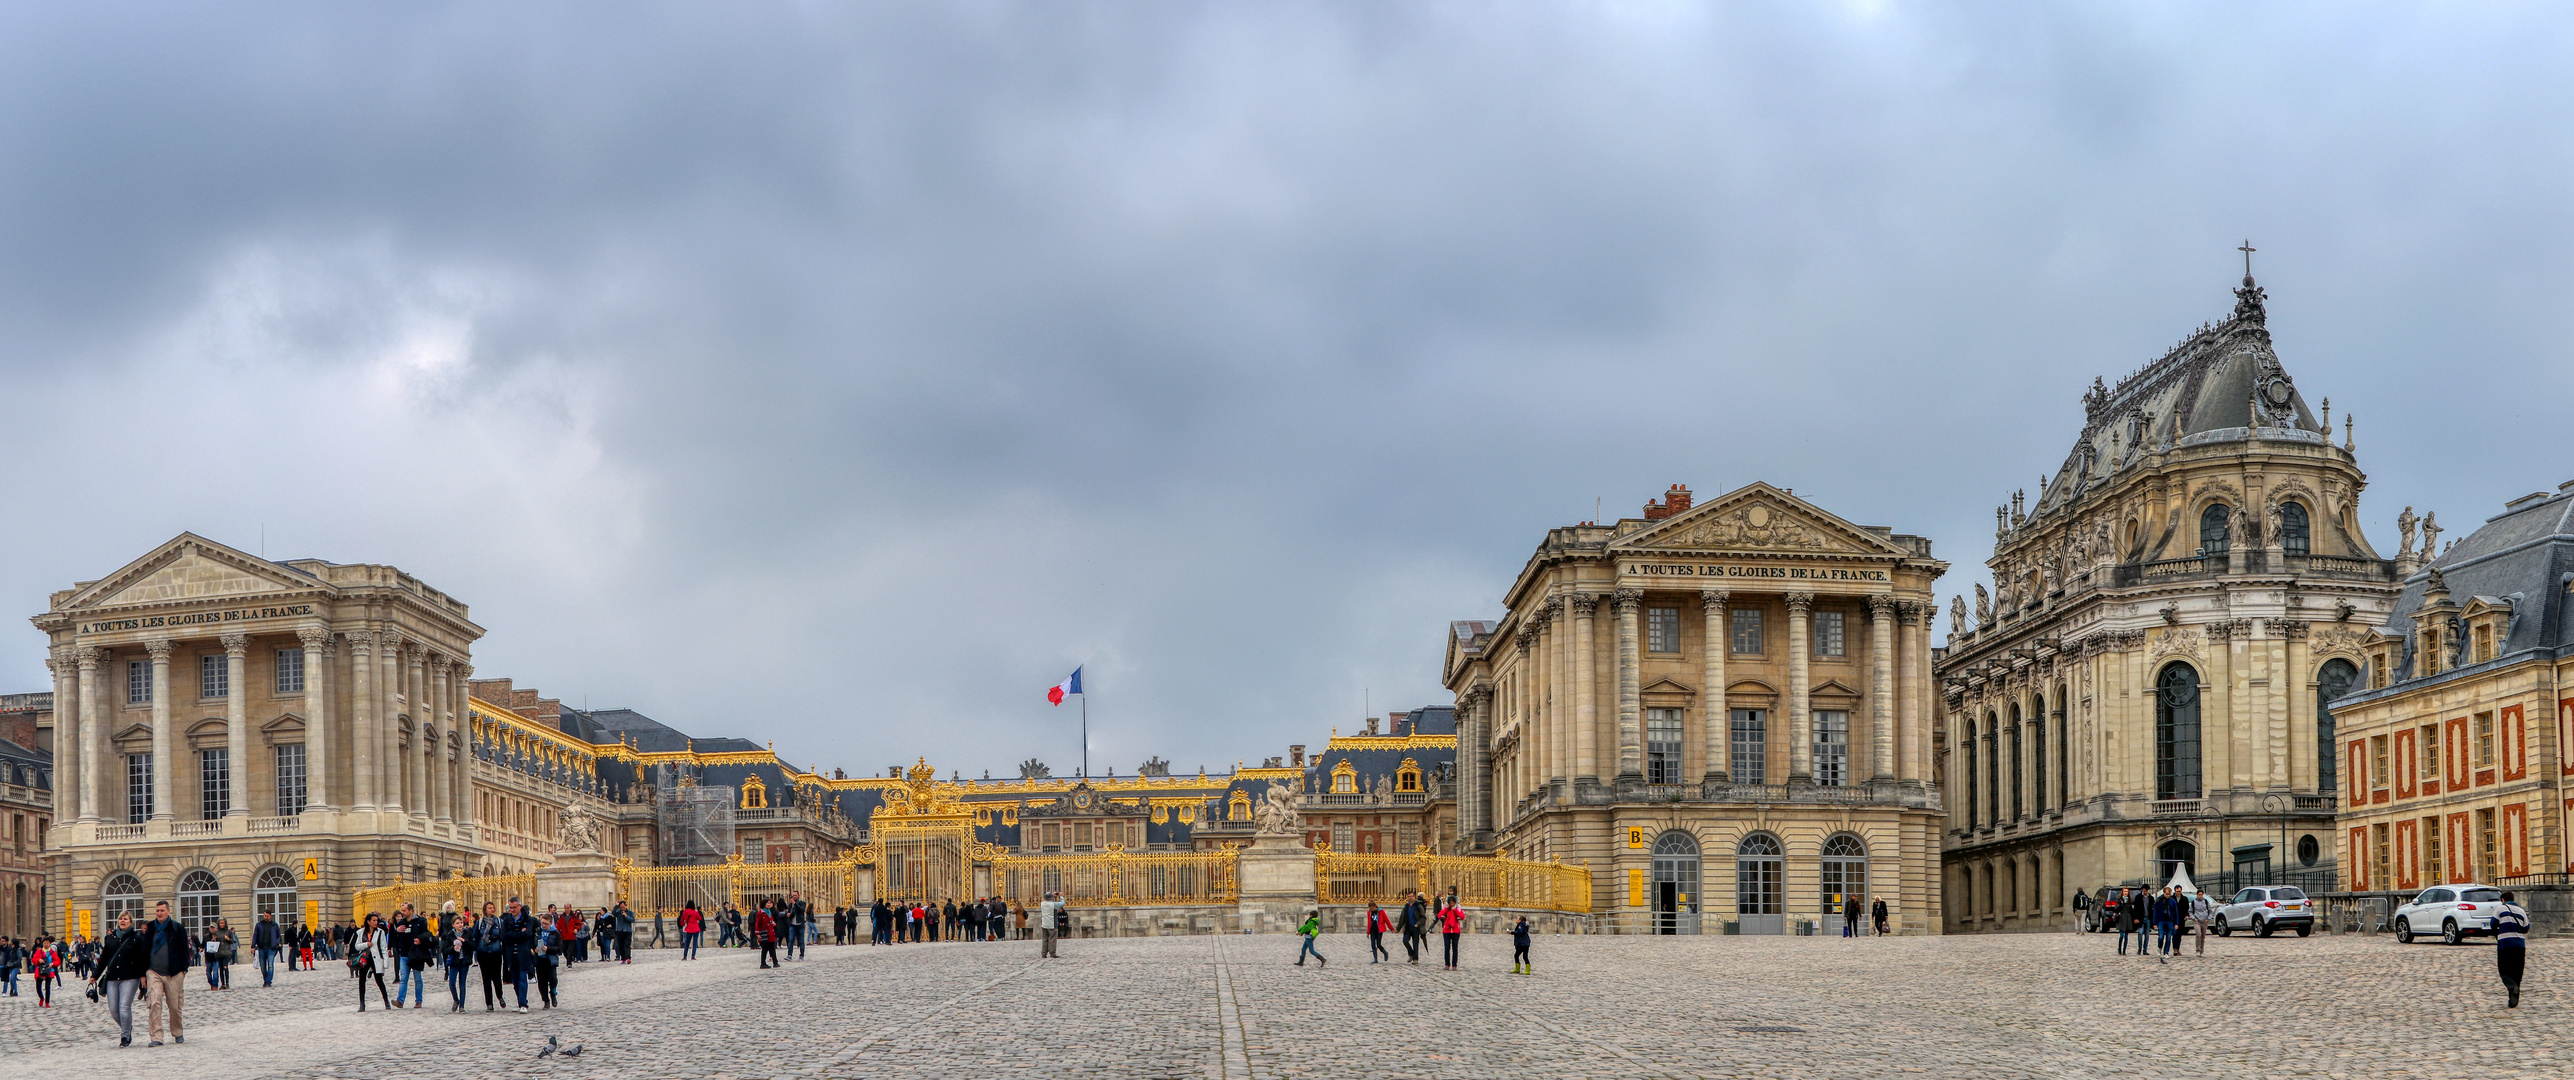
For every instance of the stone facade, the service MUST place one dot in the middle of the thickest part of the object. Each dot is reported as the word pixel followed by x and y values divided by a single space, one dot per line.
pixel 1722 709
pixel 2145 687
pixel 26 813
pixel 2453 753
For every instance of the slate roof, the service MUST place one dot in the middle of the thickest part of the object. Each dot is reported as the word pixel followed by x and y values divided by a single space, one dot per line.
pixel 2523 556
pixel 26 766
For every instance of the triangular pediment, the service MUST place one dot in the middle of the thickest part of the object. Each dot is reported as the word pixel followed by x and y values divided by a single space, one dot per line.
pixel 189 568
pixel 1758 519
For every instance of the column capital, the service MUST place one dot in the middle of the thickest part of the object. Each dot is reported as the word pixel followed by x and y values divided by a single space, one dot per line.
pixel 1584 603
pixel 361 642
pixel 159 648
pixel 464 670
pixel 315 638
pixel 1800 601
pixel 89 656
pixel 236 644
pixel 1526 639
pixel 1714 599
pixel 1554 607
pixel 1628 599
pixel 1912 612
pixel 391 642
pixel 1881 606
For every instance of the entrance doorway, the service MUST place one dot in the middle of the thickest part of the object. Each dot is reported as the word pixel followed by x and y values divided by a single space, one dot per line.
pixel 1760 885
pixel 1675 883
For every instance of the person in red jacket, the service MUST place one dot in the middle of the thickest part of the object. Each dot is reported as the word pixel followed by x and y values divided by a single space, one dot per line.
pixel 1452 926
pixel 1377 925
pixel 692 924
pixel 764 929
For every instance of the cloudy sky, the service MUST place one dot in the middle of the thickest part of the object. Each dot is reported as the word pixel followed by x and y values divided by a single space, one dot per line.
pixel 844 374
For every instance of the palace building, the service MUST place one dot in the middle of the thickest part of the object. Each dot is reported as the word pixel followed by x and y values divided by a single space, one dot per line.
pixel 1722 709
pixel 2146 687
pixel 2449 771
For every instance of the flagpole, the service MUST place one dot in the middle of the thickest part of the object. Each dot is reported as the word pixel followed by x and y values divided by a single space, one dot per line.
pixel 1085 733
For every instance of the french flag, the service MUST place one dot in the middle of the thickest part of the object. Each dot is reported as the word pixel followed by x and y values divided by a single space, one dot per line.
pixel 1056 694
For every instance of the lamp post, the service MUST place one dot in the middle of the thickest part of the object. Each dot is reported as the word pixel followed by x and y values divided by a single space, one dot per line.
pixel 2286 804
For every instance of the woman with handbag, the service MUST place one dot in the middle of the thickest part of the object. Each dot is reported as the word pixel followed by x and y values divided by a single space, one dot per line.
pixel 369 951
pixel 122 959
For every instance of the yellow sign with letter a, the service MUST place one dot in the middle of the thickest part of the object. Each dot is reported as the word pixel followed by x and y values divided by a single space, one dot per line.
pixel 312 869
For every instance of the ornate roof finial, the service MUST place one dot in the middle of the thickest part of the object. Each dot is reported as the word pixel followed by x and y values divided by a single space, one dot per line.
pixel 2247 249
pixel 2248 299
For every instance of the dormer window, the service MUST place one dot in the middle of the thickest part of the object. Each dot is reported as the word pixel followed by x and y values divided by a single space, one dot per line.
pixel 1344 778
pixel 2212 529
pixel 1239 809
pixel 755 795
pixel 2484 642
pixel 1408 776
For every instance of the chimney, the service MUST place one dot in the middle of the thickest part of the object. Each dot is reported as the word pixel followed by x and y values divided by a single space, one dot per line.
pixel 1655 510
pixel 1676 499
pixel 1296 756
pixel 1371 726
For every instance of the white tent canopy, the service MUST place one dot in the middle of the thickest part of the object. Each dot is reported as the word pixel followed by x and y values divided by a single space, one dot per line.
pixel 2181 880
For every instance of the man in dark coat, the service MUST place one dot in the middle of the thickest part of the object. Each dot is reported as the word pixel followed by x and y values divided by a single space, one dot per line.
pixel 167 962
pixel 2129 910
pixel 1416 927
pixel 265 939
pixel 518 934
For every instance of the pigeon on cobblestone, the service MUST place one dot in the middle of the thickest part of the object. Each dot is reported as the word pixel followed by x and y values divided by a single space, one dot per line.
pixel 574 1052
pixel 548 1050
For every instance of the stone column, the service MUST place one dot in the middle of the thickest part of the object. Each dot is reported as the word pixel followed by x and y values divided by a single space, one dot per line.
pixel 1800 724
pixel 1630 688
pixel 93 741
pixel 1531 757
pixel 362 733
pixel 464 724
pixel 161 770
pixel 1558 716
pixel 317 716
pixel 1586 709
pixel 424 721
pixel 389 773
pixel 1909 669
pixel 69 772
pixel 1714 719
pixel 236 724
pixel 1475 802
pixel 1881 687
pixel 442 771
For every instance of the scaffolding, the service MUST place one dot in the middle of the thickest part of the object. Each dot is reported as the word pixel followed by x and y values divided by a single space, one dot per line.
pixel 696 825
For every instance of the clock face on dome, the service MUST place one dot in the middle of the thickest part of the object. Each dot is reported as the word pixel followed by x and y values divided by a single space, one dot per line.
pixel 2276 393
pixel 1082 800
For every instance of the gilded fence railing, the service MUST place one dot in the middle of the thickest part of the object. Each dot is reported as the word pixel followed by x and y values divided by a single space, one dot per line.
pixel 1478 881
pixel 429 896
pixel 667 889
pixel 1117 877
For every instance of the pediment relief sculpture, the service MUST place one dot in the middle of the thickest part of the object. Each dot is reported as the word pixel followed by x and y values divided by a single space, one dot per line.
pixel 189 568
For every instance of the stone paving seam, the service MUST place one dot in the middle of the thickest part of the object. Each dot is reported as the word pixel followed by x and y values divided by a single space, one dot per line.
pixel 1460 987
pixel 1236 1061
pixel 889 1031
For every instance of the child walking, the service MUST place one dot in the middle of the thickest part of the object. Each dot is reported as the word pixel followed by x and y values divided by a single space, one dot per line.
pixel 1519 948
pixel 1313 926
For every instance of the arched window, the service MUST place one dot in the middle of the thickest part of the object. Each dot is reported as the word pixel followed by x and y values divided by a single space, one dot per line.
pixel 2064 755
pixel 273 895
pixel 1344 778
pixel 2336 679
pixel 1239 809
pixel 2293 539
pixel 1993 768
pixel 2173 856
pixel 2038 754
pixel 1675 883
pixel 2017 786
pixel 200 900
pixel 123 895
pixel 1845 874
pixel 754 794
pixel 2212 529
pixel 1970 774
pixel 1760 885
pixel 2176 733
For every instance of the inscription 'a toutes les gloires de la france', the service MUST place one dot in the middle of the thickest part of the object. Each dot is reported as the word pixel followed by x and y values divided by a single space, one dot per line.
pixel 1733 570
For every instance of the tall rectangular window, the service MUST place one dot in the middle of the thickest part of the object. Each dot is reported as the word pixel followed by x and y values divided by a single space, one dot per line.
pixel 1747 630
pixel 1662 746
pixel 1831 633
pixel 290 779
pixel 1341 837
pixel 2378 772
pixel 2431 849
pixel 1751 745
pixel 214 782
pixel 2018 808
pixel 290 671
pixel 214 675
pixel 2429 738
pixel 2484 740
pixel 138 682
pixel 1662 629
pixel 138 788
pixel 2382 875
pixel 1831 747
pixel 1408 834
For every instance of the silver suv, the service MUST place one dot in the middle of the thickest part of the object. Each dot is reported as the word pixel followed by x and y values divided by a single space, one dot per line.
pixel 2457 912
pixel 2267 908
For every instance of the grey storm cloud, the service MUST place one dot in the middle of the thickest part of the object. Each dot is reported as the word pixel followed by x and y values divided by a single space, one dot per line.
pixel 844 374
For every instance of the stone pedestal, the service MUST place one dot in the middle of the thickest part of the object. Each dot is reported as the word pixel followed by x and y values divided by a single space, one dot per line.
pixel 1276 879
pixel 582 879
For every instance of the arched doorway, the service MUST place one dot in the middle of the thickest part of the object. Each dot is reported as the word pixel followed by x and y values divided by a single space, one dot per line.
pixel 1675 883
pixel 1845 875
pixel 200 900
pixel 2175 855
pixel 2176 733
pixel 1760 885
pixel 2334 680
pixel 273 895
pixel 123 895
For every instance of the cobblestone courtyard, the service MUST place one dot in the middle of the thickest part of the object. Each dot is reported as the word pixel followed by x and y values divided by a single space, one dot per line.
pixel 2052 1005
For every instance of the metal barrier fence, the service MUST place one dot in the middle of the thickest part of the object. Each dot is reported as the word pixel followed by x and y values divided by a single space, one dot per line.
pixel 1479 882
pixel 428 897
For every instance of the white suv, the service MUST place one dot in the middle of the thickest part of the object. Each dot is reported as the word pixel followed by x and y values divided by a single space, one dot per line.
pixel 2265 909
pixel 2459 911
